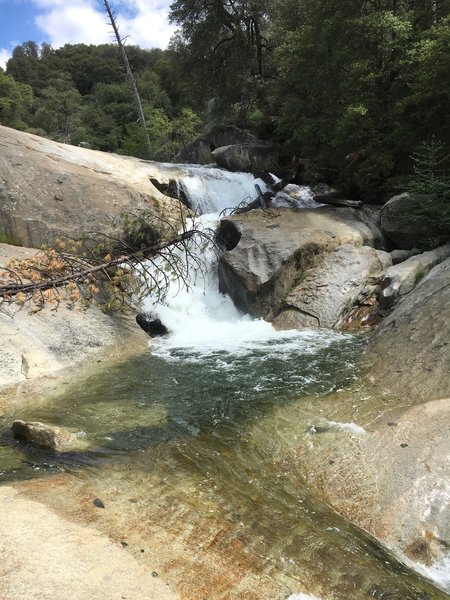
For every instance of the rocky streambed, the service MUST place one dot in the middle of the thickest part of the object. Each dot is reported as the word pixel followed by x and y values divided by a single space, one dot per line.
pixel 214 469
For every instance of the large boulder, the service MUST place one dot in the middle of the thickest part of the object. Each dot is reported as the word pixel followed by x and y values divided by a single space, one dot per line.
pixel 408 356
pixel 409 221
pixel 49 189
pixel 199 151
pixel 268 251
pixel 328 294
pixel 388 473
pixel 251 158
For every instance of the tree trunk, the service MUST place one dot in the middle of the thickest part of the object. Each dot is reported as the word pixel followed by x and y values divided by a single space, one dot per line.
pixel 130 77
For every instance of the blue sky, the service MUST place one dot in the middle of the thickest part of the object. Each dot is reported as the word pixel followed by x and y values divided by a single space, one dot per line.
pixel 60 22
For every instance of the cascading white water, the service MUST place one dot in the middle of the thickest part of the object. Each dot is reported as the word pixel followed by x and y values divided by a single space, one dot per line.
pixel 200 319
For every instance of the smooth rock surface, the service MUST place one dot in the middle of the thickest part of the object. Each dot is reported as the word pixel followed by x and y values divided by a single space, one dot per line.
pixel 49 189
pixel 347 277
pixel 44 556
pixel 199 151
pixel 389 473
pixel 401 278
pixel 41 344
pixel 269 250
pixel 408 356
pixel 251 158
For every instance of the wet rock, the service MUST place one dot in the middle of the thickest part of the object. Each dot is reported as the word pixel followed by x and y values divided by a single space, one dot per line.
pixel 46 436
pixel 151 324
pixel 171 189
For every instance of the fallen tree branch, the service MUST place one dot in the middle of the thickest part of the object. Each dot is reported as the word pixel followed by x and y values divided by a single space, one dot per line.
pixel 8 291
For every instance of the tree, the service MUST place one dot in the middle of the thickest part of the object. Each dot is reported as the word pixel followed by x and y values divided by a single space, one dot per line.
pixel 226 51
pixel 115 272
pixel 15 101
pixel 59 111
pixel 129 75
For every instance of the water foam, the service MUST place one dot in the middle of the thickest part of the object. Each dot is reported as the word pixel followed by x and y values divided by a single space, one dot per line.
pixel 302 596
pixel 200 319
pixel 438 572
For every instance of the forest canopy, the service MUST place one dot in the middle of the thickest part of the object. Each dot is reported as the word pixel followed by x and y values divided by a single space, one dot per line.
pixel 358 88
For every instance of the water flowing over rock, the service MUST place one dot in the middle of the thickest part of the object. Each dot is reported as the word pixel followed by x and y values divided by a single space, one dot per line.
pixel 390 477
pixel 269 251
pixel 347 278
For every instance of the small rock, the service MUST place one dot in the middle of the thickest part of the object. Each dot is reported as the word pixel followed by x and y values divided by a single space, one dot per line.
pixel 155 574
pixel 403 445
pixel 98 503
pixel 58 196
pixel 46 436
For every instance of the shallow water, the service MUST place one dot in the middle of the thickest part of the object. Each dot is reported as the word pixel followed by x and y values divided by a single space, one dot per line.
pixel 176 429
pixel 185 448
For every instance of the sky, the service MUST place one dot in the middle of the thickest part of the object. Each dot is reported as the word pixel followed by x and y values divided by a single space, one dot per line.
pixel 60 22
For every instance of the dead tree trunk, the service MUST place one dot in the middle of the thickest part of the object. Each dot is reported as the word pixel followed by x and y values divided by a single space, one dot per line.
pixel 129 76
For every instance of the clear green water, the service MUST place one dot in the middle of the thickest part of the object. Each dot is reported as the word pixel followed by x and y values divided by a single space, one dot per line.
pixel 177 431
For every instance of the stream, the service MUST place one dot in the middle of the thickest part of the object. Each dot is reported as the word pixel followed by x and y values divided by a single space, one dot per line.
pixel 185 447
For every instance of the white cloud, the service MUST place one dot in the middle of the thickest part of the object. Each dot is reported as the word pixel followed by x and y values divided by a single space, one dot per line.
pixel 5 55
pixel 145 22
pixel 71 23
pixel 148 26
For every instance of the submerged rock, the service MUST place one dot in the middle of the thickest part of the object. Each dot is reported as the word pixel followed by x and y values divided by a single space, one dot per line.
pixel 47 436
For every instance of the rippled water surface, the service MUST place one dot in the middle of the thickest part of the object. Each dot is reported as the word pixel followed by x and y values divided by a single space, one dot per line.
pixel 175 429
pixel 184 448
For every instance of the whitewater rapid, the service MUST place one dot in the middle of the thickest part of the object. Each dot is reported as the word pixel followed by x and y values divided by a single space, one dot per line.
pixel 200 319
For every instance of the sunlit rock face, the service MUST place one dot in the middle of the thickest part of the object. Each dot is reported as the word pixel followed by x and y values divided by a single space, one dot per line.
pixel 269 251
pixel 49 189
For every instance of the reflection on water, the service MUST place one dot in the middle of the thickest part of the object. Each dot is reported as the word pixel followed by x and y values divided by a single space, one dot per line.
pixel 173 434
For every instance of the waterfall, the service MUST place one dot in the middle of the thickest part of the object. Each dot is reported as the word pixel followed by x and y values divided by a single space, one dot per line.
pixel 200 319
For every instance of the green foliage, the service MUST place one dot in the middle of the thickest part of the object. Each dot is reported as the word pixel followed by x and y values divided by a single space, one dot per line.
pixel 15 101
pixel 431 170
pixel 6 238
pixel 78 93
pixel 353 86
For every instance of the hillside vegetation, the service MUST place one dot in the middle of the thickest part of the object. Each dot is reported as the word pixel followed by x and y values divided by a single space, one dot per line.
pixel 359 88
